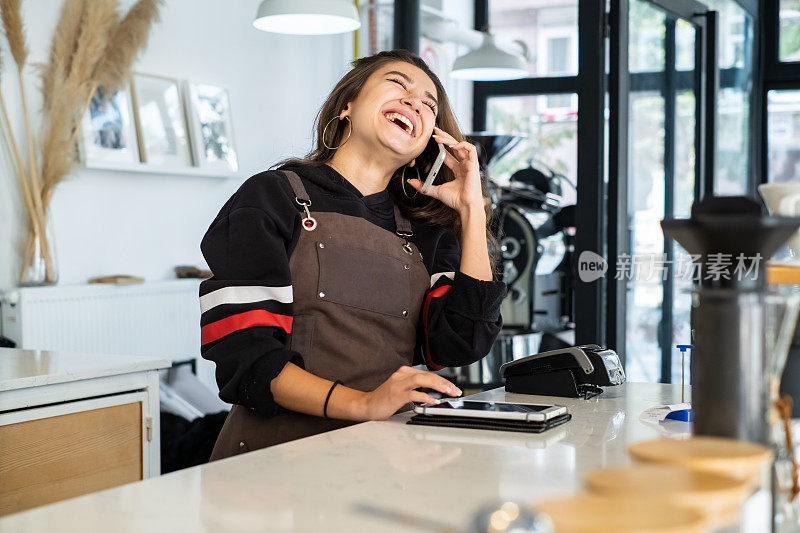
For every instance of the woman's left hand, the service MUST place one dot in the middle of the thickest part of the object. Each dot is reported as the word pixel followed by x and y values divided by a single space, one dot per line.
pixel 464 193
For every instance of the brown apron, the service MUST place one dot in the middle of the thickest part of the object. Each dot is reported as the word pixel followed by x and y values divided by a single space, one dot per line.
pixel 358 292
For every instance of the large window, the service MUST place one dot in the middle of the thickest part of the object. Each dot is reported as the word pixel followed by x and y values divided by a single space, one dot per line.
pixel 784 135
pixel 732 166
pixel 661 183
pixel 679 140
pixel 551 139
pixel 549 28
pixel 646 38
pixel 789 49
pixel 547 120
pixel 782 92
pixel 559 110
pixel 645 210
pixel 662 165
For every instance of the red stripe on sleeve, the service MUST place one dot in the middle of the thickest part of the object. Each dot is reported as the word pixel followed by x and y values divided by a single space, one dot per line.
pixel 435 293
pixel 248 319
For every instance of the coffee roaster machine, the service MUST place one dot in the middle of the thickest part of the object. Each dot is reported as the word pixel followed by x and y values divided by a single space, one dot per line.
pixel 534 230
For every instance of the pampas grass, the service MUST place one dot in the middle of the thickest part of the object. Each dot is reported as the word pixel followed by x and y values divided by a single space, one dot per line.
pixel 73 89
pixel 129 38
pixel 92 47
pixel 100 17
pixel 11 15
pixel 62 48
pixel 12 24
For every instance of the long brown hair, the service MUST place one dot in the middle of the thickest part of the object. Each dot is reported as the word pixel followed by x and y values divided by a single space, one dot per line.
pixel 420 207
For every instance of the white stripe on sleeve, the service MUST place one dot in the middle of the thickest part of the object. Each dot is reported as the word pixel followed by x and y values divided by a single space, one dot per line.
pixel 438 275
pixel 245 294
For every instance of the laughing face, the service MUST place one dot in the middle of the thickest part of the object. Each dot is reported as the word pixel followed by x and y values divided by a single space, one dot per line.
pixel 395 110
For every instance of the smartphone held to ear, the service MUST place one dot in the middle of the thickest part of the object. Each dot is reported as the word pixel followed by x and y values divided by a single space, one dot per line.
pixel 434 170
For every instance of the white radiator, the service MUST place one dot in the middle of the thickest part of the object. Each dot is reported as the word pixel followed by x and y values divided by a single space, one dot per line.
pixel 153 318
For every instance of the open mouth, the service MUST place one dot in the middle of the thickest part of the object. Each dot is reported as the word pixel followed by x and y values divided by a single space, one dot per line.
pixel 400 121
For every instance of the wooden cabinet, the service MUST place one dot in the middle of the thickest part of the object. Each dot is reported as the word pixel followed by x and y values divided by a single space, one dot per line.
pixel 72 438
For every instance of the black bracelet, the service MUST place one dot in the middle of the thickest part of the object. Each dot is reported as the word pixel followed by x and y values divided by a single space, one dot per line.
pixel 325 408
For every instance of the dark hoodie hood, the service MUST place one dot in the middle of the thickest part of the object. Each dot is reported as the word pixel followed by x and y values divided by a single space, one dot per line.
pixel 379 207
pixel 327 179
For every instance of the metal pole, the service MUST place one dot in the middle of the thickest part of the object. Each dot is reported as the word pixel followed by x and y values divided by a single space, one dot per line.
pixel 590 319
pixel 406 25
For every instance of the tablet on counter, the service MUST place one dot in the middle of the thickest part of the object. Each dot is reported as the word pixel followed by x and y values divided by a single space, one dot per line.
pixel 493 410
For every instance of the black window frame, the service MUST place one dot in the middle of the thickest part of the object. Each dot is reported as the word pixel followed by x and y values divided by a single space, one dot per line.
pixel 588 84
pixel 599 307
pixel 668 82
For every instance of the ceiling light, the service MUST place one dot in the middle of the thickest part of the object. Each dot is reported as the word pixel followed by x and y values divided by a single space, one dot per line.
pixel 488 62
pixel 307 17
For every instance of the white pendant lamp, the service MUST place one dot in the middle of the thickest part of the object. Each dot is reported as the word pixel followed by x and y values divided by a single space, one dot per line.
pixel 489 63
pixel 307 17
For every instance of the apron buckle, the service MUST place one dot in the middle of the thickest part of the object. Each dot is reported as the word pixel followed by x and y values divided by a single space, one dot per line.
pixel 309 223
pixel 406 245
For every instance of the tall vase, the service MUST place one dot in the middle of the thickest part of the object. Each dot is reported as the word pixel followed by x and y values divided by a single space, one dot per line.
pixel 39 265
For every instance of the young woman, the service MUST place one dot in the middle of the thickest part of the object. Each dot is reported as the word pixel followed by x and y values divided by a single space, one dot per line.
pixel 333 274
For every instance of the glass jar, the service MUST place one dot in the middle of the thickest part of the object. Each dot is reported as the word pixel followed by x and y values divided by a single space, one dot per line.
pixel 39 263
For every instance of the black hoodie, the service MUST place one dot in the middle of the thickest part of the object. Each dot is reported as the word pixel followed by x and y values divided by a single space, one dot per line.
pixel 250 242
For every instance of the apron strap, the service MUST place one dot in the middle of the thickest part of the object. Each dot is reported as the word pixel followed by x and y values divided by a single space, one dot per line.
pixel 302 199
pixel 297 186
pixel 402 223
pixel 403 229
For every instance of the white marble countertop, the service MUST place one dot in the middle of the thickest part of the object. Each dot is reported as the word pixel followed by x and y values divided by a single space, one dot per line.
pixel 20 369
pixel 355 478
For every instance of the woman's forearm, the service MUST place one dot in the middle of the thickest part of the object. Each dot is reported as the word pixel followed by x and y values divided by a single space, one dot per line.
pixel 301 391
pixel 474 251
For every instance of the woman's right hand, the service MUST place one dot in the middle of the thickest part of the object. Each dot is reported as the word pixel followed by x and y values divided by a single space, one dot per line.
pixel 399 390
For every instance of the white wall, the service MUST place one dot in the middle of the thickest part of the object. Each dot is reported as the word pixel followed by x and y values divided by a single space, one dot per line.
pixel 144 224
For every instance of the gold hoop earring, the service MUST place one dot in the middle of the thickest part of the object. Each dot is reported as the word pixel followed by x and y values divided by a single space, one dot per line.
pixel 403 182
pixel 325 130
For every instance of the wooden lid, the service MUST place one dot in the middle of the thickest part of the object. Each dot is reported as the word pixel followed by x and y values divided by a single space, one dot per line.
pixel 740 459
pixel 783 274
pixel 587 513
pixel 719 496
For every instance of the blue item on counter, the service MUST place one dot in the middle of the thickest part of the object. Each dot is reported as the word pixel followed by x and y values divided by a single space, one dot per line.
pixel 683 415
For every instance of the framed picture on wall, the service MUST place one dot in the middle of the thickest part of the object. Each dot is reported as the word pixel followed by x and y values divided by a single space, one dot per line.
pixel 211 127
pixel 108 134
pixel 160 119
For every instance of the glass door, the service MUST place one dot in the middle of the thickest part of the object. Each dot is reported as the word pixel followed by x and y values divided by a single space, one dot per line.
pixel 668 161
